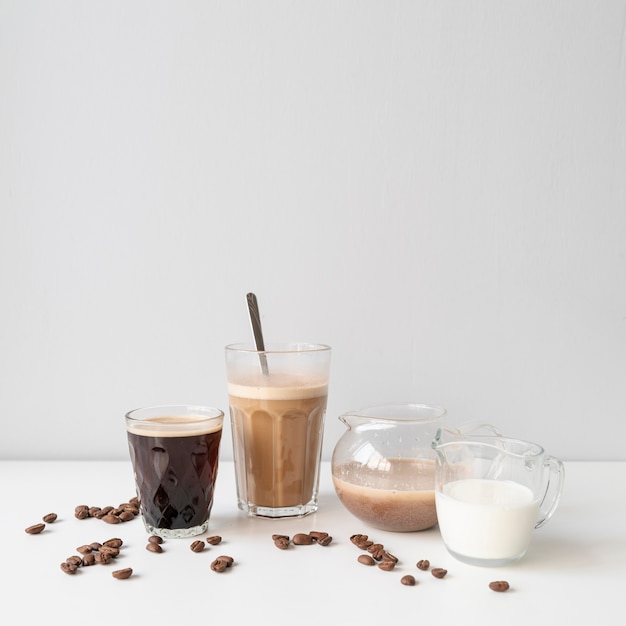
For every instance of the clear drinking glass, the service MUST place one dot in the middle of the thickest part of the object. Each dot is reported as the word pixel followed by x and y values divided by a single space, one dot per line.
pixel 277 401
pixel 174 452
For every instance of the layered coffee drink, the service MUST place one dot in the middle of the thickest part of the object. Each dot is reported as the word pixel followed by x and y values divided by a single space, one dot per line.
pixel 277 435
pixel 175 463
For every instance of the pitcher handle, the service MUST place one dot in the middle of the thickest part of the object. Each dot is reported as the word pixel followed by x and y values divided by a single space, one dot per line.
pixel 554 489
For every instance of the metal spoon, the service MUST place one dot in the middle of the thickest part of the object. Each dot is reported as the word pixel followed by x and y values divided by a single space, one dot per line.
pixel 255 320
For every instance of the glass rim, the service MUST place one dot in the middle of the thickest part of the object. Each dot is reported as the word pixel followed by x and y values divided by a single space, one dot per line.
pixel 500 443
pixel 194 413
pixel 377 412
pixel 278 347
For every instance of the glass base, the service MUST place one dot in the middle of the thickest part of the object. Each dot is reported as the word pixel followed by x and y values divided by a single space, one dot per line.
pixel 301 510
pixel 169 533
pixel 470 560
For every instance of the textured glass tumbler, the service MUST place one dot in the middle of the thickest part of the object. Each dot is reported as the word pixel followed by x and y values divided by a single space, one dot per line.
pixel 174 452
pixel 277 401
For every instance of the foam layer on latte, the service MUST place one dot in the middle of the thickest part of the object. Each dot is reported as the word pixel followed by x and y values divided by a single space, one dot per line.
pixel 278 387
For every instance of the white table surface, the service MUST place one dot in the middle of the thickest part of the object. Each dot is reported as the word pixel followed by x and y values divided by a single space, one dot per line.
pixel 574 571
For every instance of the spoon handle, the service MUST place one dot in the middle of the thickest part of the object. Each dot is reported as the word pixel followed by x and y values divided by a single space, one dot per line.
pixel 255 320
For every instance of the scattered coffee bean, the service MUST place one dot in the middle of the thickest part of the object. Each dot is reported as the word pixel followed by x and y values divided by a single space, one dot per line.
pixel 109 518
pixel 214 540
pixel 375 547
pixel 423 564
pixel 301 539
pixel 325 541
pixel 110 550
pixel 122 574
pixel 88 559
pixel 35 529
pixel 439 572
pixel 281 541
pixel 357 538
pixel 116 542
pixel 69 568
pixel 408 580
pixel 366 559
pixel 387 566
pixel 221 563
pixel 499 585
pixel 96 511
pixel 84 549
pixel 197 546
pixel 49 518
pixel 74 560
pixel 155 539
pixel 154 547
pixel 316 535
pixel 95 545
pixel 103 558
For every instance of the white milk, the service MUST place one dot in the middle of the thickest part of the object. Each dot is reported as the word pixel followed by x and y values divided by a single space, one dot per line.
pixel 486 519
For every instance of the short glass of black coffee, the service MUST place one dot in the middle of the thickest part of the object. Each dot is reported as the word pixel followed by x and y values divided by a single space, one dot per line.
pixel 174 452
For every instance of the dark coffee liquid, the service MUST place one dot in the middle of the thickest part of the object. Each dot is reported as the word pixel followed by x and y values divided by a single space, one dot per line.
pixel 175 477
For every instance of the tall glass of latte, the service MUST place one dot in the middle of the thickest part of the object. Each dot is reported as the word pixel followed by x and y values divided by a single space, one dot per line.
pixel 277 401
pixel 174 452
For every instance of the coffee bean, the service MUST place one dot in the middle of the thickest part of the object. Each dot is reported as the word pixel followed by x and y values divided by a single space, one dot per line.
pixel 155 539
pixel 325 541
pixel 110 550
pixel 197 546
pixel 424 564
pixel 84 549
pixel 301 539
pixel 35 529
pixel 126 516
pixel 282 543
pixel 49 518
pixel 214 540
pixel 358 538
pixel 121 574
pixel 387 566
pixel 375 547
pixel 221 563
pixel 387 556
pixel 366 559
pixel 499 585
pixel 109 518
pixel 103 558
pixel 94 511
pixel 378 554
pixel 69 568
pixel 408 580
pixel 317 535
pixel 439 572
pixel 95 545
pixel 81 511
pixel 88 559
pixel 115 542
pixel 154 547
pixel 74 560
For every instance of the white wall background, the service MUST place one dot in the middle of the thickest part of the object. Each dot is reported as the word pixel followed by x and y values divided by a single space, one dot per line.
pixel 436 189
